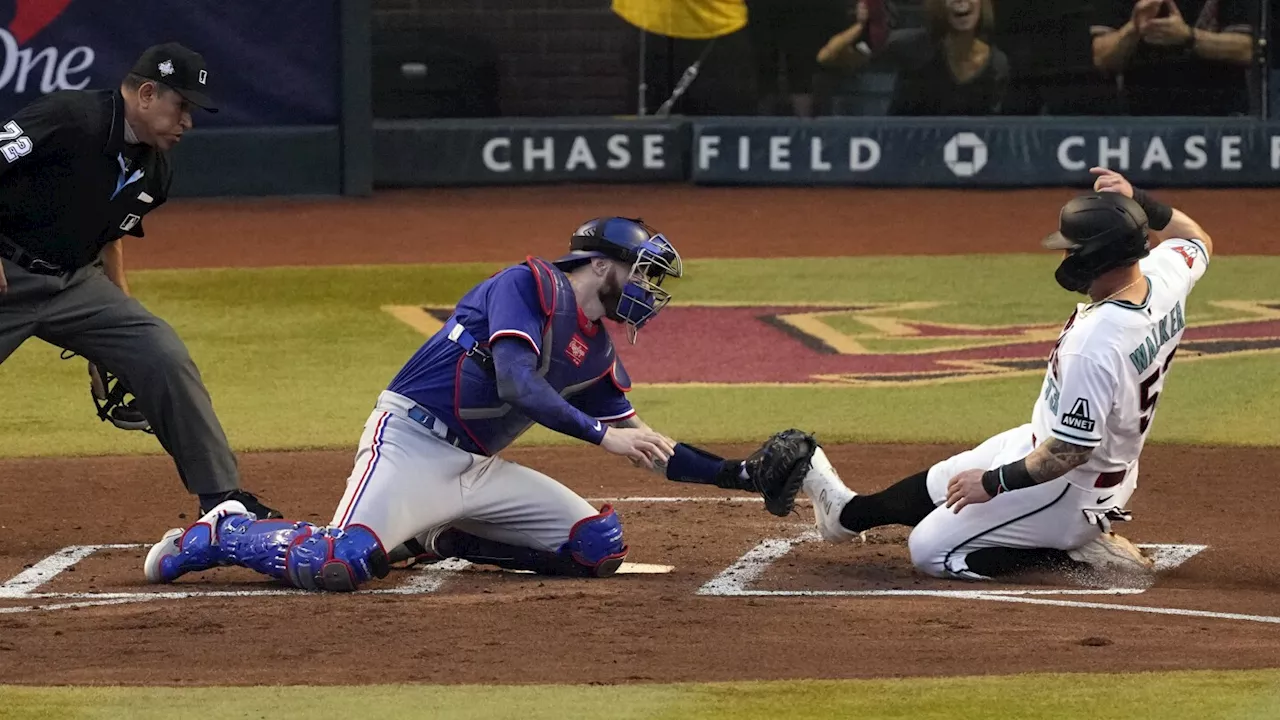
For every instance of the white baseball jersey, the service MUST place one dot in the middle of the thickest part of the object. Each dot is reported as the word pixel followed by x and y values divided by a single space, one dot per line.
pixel 1108 368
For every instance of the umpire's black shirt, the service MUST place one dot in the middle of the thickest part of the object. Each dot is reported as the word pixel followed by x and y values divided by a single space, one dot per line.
pixel 69 183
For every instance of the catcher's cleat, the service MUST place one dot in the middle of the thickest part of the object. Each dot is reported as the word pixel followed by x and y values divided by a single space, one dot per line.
pixel 418 550
pixel 829 496
pixel 250 501
pixel 195 548
pixel 1110 552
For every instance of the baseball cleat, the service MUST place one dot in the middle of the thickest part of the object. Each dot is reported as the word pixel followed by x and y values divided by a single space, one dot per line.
pixel 1114 553
pixel 417 550
pixel 829 496
pixel 251 504
pixel 182 551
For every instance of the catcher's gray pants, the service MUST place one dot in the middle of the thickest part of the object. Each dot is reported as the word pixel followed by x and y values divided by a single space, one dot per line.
pixel 84 312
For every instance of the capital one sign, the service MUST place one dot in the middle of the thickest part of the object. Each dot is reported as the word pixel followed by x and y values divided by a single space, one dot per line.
pixel 27 66
pixel 47 69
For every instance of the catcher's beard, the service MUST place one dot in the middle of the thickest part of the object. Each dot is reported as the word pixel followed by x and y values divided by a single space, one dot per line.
pixel 611 296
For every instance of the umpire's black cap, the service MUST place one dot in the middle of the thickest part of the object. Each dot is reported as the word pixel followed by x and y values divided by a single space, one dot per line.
pixel 179 68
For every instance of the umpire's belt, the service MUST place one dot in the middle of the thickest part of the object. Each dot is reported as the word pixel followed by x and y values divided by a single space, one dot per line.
pixel 433 424
pixel 25 260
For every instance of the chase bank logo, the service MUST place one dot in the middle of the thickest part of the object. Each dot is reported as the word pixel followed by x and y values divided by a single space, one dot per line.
pixel 965 154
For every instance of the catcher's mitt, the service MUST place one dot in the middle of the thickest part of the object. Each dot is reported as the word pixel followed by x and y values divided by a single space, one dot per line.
pixel 778 468
pixel 109 393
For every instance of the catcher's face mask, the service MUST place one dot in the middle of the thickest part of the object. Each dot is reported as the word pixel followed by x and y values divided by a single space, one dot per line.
pixel 643 296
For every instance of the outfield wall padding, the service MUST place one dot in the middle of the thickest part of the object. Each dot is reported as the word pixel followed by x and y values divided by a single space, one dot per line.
pixel 886 152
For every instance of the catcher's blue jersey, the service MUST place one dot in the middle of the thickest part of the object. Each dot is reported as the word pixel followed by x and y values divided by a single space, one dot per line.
pixel 533 302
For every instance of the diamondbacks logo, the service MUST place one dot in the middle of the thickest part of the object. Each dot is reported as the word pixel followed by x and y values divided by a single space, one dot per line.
pixel 577 351
pixel 1079 416
pixel 1188 254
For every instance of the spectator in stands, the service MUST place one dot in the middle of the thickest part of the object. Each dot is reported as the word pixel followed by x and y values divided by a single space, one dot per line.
pixel 904 14
pixel 786 35
pixel 946 68
pixel 1183 57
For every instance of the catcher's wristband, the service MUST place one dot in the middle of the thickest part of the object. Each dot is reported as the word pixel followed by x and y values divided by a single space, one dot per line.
pixel 1013 476
pixel 694 465
pixel 1158 214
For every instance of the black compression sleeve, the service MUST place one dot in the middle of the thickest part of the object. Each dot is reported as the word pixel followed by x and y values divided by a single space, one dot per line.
pixel 1013 476
pixel 1158 214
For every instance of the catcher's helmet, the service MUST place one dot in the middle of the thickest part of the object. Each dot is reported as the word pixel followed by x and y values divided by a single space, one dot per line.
pixel 1100 233
pixel 651 256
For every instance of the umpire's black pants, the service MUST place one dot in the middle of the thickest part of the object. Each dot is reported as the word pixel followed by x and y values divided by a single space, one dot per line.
pixel 86 313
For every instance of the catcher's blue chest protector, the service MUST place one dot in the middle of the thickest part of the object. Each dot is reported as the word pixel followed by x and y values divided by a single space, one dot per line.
pixel 575 355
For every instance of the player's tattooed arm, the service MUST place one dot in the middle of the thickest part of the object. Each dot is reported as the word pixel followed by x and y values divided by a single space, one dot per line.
pixel 1049 461
pixel 1055 458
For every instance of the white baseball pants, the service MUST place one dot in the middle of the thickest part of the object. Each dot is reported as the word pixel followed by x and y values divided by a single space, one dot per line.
pixel 1057 514
pixel 407 482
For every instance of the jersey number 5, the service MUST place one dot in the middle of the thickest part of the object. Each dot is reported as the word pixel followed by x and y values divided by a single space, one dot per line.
pixel 15 143
pixel 1147 400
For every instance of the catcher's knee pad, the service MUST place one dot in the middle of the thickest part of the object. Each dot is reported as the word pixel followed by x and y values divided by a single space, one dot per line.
pixel 596 543
pixel 335 559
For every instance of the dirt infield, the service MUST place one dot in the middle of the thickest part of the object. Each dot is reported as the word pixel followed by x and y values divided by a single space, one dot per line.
pixel 482 626
pixel 89 618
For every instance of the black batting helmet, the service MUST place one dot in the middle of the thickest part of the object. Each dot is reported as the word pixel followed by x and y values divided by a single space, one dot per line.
pixel 1099 232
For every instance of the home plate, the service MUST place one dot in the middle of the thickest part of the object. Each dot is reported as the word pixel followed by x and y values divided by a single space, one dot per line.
pixel 644 569
pixel 625 569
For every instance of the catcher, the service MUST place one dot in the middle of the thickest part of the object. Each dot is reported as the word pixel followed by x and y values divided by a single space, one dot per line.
pixel 1042 496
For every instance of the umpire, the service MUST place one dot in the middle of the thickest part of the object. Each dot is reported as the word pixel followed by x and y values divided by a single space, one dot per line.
pixel 78 171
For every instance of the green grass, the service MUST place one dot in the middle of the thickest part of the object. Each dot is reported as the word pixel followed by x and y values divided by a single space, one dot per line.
pixel 295 357
pixel 1245 695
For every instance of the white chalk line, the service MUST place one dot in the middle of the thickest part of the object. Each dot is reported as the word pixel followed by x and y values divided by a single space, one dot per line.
pixel 1132 608
pixel 140 597
pixel 428 580
pixel 960 594
pixel 42 572
pixel 734 581
pixel 689 498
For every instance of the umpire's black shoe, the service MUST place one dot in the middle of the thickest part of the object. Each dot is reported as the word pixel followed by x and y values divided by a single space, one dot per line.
pixel 246 498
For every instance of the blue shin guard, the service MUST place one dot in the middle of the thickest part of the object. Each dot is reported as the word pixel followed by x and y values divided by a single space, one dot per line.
pixel 306 556
pixel 226 535
pixel 335 559
pixel 260 545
